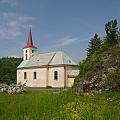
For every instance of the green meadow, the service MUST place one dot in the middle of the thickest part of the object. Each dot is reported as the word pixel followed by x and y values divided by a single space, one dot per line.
pixel 59 105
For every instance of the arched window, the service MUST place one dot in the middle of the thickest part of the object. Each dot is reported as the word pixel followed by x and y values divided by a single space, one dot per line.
pixel 32 51
pixel 25 75
pixel 35 75
pixel 55 75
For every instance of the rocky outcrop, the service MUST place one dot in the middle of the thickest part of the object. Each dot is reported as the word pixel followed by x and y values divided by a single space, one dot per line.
pixel 102 73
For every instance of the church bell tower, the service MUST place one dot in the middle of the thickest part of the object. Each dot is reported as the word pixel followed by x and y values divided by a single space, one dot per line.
pixel 29 50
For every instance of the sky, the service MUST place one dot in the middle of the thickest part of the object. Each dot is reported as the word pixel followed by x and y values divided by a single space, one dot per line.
pixel 65 25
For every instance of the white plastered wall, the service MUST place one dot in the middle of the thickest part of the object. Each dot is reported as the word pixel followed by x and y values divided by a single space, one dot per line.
pixel 29 53
pixel 61 77
pixel 40 81
pixel 45 77
pixel 70 81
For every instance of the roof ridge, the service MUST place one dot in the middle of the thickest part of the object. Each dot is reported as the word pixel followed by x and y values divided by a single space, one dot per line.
pixel 50 52
pixel 52 58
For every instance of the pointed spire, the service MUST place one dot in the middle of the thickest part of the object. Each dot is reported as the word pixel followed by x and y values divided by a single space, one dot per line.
pixel 30 42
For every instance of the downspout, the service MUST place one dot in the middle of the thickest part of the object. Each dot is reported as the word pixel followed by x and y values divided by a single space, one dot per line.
pixel 65 80
pixel 47 81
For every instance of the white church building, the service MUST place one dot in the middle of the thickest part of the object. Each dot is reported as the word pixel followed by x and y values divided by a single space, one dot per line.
pixel 55 69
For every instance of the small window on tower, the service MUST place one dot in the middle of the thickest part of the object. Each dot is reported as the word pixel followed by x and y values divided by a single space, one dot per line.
pixel 26 51
pixel 26 56
pixel 32 51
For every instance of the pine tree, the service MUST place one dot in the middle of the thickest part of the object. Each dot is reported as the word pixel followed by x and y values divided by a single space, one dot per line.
pixel 94 45
pixel 111 32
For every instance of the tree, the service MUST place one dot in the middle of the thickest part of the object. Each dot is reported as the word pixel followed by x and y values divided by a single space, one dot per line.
pixel 6 79
pixel 118 35
pixel 94 45
pixel 111 31
pixel 8 69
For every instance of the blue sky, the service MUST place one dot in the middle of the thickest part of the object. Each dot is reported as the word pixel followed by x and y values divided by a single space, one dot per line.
pixel 65 25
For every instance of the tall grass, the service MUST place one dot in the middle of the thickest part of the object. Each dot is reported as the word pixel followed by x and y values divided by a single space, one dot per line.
pixel 59 105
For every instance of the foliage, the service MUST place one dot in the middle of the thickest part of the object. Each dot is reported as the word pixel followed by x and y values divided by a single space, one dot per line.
pixel 111 32
pixel 112 81
pixel 95 69
pixel 8 69
pixel 90 107
pixel 83 67
pixel 59 105
pixel 94 45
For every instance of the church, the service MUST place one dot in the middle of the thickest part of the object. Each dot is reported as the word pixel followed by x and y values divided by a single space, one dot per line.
pixel 55 69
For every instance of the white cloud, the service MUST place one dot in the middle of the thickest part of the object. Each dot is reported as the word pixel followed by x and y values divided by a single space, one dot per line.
pixel 11 24
pixel 6 33
pixel 12 2
pixel 23 18
pixel 68 40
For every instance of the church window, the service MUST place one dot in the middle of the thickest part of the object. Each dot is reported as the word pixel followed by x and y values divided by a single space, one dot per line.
pixel 26 56
pixel 55 75
pixel 26 51
pixel 35 75
pixel 25 75
pixel 32 51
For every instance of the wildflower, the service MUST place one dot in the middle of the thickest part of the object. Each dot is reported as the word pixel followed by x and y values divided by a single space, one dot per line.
pixel 109 99
pixel 87 94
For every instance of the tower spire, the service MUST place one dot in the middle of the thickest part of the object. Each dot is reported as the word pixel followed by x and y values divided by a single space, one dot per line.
pixel 29 41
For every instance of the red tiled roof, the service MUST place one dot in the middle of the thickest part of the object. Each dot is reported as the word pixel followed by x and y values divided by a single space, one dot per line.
pixel 30 42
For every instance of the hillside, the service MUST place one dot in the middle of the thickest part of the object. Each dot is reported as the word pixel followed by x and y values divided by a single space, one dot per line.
pixel 100 70
pixel 8 69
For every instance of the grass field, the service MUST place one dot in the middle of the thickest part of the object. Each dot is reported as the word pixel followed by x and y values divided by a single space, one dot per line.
pixel 59 105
